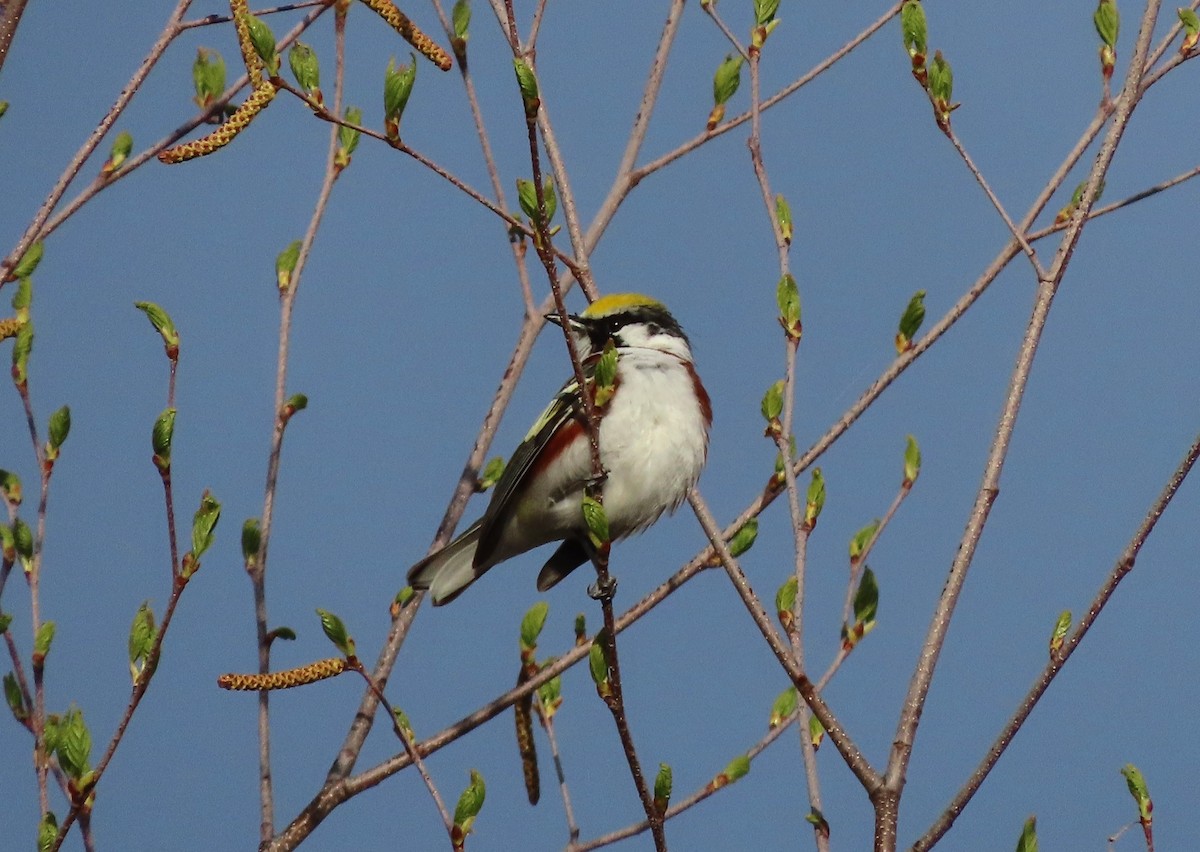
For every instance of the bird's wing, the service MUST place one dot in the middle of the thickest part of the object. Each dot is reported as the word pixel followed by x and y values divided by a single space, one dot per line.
pixel 554 422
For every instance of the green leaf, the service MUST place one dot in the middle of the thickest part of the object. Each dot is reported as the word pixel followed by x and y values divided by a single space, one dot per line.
pixel 60 427
pixel 744 538
pixel 860 540
pixel 10 486
pixel 8 549
pixel 1061 628
pixel 737 769
pixel 121 148
pixel 532 624
pixel 208 76
pixel 785 705
pixel 527 196
pixel 580 629
pixel 335 631
pixel 404 722
pixel 772 402
pixel 29 262
pixel 204 524
pixel 663 782
pixel 550 692
pixel 263 41
pixel 764 11
pixel 912 460
pixel 1108 22
pixel 604 375
pixel 914 28
pixel 43 639
pixel 785 598
pixel 161 437
pixel 866 601
pixel 492 472
pixel 941 80
pixel 1028 840
pixel 22 538
pixel 348 137
pixel 22 297
pixel 306 68
pixel 285 264
pixel 910 321
pixel 1140 792
pixel 596 520
pixel 787 295
pixel 295 402
pixel 527 83
pixel 22 347
pixel 1189 20
pixel 5 618
pixel 162 323
pixel 14 698
pixel 815 499
pixel 287 634
pixel 142 634
pixel 461 18
pixel 470 803
pixel 783 215
pixel 598 664
pixel 47 832
pixel 74 746
pixel 251 541
pixel 727 79
pixel 397 87
pixel 3 108
pixel 816 731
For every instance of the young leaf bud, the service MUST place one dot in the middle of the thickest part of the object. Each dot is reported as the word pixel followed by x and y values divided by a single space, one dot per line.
pixel 663 783
pixel 596 520
pixel 263 41
pixel 785 705
pixel 306 68
pixel 285 265
pixel 121 148
pixel 335 631
pixel 912 461
pixel 397 87
pixel 744 538
pixel 787 295
pixel 208 77
pixel 532 624
pixel 470 803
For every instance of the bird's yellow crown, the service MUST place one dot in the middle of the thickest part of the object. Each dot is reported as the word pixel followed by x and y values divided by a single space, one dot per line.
pixel 617 302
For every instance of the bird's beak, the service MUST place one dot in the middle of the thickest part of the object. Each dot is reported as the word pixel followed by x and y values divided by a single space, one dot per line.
pixel 554 317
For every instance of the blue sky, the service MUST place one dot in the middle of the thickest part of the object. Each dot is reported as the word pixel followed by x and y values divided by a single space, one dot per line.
pixel 405 320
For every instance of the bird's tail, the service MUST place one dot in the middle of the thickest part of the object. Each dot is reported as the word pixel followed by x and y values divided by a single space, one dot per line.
pixel 449 571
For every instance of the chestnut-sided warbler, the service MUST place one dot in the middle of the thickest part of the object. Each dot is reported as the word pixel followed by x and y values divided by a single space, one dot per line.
pixel 653 436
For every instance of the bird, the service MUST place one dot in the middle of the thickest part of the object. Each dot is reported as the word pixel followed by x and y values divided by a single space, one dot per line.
pixel 654 420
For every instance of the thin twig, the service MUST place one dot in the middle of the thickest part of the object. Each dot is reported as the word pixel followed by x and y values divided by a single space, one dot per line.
pixel 887 802
pixel 1018 235
pixel 33 231
pixel 1123 566
pixel 841 740
pixel 861 559
pixel 281 419
pixel 710 9
pixel 683 804
pixel 404 738
pixel 10 18
pixel 547 720
pixel 209 20
pixel 151 153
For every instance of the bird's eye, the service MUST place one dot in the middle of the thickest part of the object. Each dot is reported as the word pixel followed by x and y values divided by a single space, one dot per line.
pixel 653 328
